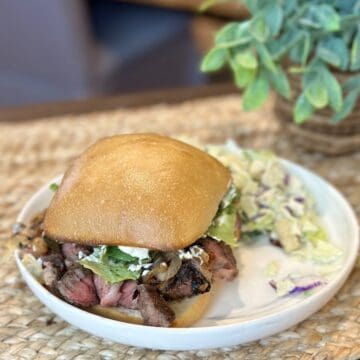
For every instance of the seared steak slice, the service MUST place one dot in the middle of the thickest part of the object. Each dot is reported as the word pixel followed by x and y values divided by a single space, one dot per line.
pixel 109 294
pixel 77 287
pixel 54 268
pixel 191 279
pixel 221 258
pixel 121 293
pixel 154 309
pixel 71 252
pixel 129 294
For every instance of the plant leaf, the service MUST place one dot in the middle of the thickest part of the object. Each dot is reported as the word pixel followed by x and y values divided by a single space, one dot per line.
pixel 209 3
pixel 333 88
pixel 280 83
pixel 265 57
pixel 349 20
pixel 259 29
pixel 252 5
pixel 317 94
pixel 273 18
pixel 311 74
pixel 243 76
pixel 345 5
pixel 327 17
pixel 306 43
pixel 289 6
pixel 334 51
pixel 246 59
pixel 256 92
pixel 355 53
pixel 303 110
pixel 214 60
pixel 233 34
pixel 300 50
pixel 347 107
pixel 353 83
pixel 284 43
pixel 226 33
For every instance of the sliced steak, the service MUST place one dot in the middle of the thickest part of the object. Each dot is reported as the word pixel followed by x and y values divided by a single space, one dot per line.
pixel 221 258
pixel 109 294
pixel 77 287
pixel 121 293
pixel 54 268
pixel 71 252
pixel 154 309
pixel 129 294
pixel 191 279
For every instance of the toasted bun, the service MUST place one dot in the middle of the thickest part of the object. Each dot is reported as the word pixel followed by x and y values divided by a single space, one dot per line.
pixel 140 190
pixel 187 311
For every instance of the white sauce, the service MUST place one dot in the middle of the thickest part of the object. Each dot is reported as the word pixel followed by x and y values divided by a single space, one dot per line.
pixel 81 255
pixel 140 253
pixel 134 267
pixel 194 252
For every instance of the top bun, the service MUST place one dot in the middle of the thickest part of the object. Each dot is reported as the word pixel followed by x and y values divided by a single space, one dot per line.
pixel 139 190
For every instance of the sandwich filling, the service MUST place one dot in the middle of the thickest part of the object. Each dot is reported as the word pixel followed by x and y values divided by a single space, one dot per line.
pixel 134 278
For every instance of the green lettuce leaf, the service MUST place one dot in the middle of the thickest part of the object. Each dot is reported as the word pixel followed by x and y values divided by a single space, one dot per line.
pixel 223 226
pixel 111 264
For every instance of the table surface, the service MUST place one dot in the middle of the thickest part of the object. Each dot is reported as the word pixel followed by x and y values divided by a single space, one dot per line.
pixel 40 141
pixel 136 99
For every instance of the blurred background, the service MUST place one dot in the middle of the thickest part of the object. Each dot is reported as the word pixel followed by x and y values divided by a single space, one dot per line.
pixel 65 50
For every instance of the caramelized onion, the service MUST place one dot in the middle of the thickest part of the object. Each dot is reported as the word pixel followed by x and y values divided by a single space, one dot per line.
pixel 171 270
pixel 166 266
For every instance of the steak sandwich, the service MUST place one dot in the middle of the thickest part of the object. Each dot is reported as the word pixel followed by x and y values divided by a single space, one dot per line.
pixel 138 230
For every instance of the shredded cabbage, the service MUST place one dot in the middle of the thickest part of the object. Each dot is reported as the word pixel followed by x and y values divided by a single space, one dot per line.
pixel 293 284
pixel 273 202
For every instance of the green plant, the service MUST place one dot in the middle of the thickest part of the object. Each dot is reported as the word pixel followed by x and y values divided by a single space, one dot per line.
pixel 316 36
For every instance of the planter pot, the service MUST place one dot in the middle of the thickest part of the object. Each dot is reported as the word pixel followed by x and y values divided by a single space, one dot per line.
pixel 318 133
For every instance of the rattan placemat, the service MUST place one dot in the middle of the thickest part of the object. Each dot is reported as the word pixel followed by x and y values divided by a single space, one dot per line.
pixel 34 152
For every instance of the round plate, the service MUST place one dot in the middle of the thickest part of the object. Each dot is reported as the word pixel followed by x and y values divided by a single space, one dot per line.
pixel 243 310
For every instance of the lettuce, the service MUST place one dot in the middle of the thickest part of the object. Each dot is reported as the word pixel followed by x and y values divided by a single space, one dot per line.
pixel 223 226
pixel 111 264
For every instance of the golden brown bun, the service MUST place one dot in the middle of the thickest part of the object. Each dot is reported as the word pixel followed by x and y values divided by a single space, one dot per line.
pixel 142 190
pixel 187 311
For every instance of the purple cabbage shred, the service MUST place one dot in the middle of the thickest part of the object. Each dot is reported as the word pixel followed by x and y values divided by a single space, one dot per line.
pixel 300 289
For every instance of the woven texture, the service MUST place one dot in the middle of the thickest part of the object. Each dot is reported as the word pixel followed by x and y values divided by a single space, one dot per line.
pixel 34 152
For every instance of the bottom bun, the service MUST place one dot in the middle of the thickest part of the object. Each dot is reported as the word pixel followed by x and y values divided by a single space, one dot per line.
pixel 187 311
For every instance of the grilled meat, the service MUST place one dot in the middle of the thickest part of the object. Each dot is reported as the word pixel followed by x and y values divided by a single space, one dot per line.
pixel 154 309
pixel 191 279
pixel 221 258
pixel 77 287
pixel 71 252
pixel 54 268
pixel 122 293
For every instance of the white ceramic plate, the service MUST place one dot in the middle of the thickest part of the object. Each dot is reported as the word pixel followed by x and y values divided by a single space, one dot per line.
pixel 244 310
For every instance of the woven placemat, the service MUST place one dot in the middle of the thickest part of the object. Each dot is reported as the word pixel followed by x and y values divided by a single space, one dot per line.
pixel 33 152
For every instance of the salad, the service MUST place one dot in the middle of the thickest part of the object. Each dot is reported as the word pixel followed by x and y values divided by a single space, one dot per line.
pixel 269 202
